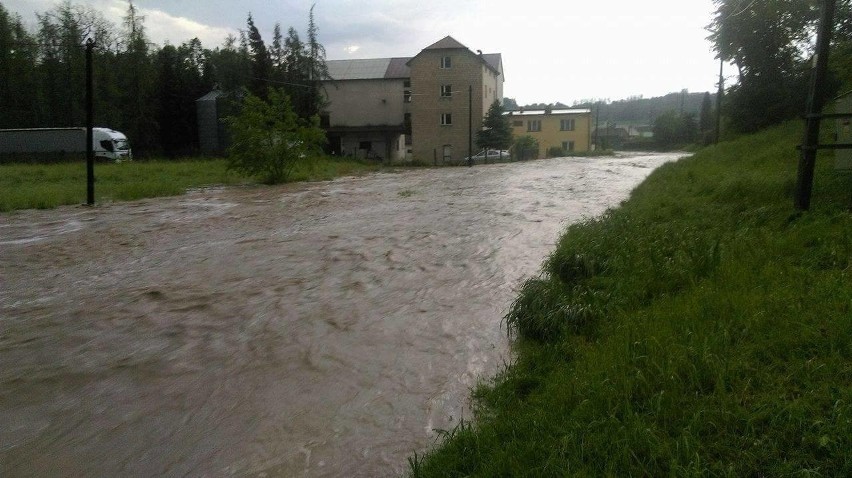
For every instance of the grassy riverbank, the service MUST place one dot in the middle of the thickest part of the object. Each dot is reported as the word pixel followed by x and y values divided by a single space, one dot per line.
pixel 703 328
pixel 29 186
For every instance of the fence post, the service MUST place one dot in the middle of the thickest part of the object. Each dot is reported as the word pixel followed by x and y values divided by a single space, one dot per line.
pixel 816 98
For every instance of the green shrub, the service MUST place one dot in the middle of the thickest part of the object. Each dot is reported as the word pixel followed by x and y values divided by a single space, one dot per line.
pixel 555 152
pixel 268 139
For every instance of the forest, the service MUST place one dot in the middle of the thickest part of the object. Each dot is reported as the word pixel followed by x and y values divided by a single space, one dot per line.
pixel 144 90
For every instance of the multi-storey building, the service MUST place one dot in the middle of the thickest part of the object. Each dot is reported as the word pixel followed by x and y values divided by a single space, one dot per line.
pixel 367 107
pixel 426 107
pixel 452 88
pixel 568 130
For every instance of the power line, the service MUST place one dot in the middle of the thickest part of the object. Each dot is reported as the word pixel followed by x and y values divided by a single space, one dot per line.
pixel 269 80
pixel 741 11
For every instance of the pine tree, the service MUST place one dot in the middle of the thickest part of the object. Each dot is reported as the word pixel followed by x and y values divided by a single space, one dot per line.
pixel 496 132
pixel 276 54
pixel 261 65
pixel 317 69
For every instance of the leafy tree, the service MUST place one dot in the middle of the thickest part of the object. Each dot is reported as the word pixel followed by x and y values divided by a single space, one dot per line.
pixel 496 132
pixel 509 104
pixel 771 43
pixel 840 61
pixel 18 79
pixel 671 129
pixel 526 147
pixel 268 138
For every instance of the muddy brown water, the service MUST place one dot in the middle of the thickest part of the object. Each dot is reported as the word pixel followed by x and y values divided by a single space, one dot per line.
pixel 323 329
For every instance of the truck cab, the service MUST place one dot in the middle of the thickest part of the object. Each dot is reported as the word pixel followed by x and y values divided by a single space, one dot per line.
pixel 110 144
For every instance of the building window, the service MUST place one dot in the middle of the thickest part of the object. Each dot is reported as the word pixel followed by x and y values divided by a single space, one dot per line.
pixel 534 125
pixel 446 90
pixel 566 125
pixel 568 145
pixel 446 62
pixel 446 119
pixel 406 93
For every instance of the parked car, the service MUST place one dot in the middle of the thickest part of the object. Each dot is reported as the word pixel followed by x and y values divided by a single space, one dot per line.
pixel 489 154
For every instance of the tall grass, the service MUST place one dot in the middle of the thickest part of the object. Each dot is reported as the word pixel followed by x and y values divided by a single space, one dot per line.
pixel 702 328
pixel 28 186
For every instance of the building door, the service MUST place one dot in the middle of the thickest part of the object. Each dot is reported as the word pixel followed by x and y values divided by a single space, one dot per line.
pixel 334 145
pixel 448 153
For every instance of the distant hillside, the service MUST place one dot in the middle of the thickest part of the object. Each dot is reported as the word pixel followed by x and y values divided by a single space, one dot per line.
pixel 633 111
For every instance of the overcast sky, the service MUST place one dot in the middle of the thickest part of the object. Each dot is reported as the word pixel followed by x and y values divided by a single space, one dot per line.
pixel 557 50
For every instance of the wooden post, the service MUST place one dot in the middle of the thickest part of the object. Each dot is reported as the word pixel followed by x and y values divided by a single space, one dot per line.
pixel 719 102
pixel 816 98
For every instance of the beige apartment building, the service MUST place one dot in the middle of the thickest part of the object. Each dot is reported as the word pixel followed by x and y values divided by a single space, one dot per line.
pixel 452 88
pixel 424 108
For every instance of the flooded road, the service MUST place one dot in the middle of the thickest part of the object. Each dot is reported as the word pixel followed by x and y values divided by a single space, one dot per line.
pixel 320 329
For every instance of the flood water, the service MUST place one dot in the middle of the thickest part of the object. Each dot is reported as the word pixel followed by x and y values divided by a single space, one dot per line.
pixel 322 329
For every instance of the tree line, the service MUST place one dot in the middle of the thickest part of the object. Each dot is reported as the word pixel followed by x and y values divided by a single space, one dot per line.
pixel 144 90
pixel 771 43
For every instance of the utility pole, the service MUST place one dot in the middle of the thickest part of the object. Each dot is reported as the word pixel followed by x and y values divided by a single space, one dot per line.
pixel 90 120
pixel 470 125
pixel 597 118
pixel 719 102
pixel 816 98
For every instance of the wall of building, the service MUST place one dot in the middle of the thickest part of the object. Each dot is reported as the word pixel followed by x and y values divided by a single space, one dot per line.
pixel 373 145
pixel 492 88
pixel 551 134
pixel 429 136
pixel 365 102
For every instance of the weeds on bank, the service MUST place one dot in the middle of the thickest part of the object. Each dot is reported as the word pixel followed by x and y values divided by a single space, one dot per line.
pixel 702 328
pixel 43 186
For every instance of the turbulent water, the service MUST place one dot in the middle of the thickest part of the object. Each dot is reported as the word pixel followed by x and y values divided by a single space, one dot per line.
pixel 321 329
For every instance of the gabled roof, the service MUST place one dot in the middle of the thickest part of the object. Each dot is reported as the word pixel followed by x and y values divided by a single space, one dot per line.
pixel 446 43
pixel 491 60
pixel 369 69
pixel 495 60
pixel 398 68
pixel 211 96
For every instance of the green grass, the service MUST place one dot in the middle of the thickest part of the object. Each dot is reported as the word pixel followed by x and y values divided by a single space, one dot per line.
pixel 703 328
pixel 42 186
